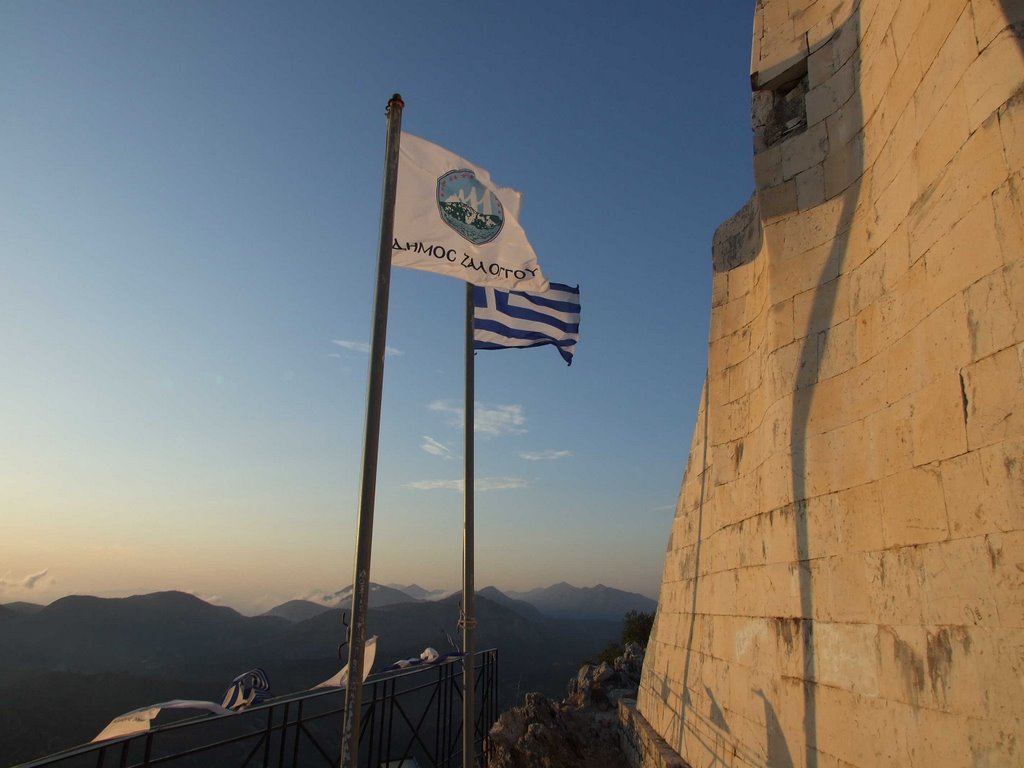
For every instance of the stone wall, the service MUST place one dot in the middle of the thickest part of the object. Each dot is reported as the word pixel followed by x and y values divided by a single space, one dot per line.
pixel 844 582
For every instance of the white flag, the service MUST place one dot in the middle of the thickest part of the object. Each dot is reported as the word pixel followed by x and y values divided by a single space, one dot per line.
pixel 450 218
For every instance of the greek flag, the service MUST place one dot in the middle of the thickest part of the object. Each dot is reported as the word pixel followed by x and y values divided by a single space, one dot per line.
pixel 506 319
pixel 248 688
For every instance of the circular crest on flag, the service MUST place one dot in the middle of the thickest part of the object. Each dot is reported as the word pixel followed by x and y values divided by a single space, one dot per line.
pixel 468 207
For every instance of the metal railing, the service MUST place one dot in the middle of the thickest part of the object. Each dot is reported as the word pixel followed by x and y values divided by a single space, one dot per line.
pixel 413 715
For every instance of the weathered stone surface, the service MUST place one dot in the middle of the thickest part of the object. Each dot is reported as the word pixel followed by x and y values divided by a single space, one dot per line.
pixel 843 583
pixel 580 731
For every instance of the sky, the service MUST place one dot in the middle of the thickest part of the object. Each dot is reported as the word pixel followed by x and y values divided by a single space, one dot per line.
pixel 190 201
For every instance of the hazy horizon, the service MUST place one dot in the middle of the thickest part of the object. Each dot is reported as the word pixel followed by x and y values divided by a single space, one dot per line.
pixel 256 609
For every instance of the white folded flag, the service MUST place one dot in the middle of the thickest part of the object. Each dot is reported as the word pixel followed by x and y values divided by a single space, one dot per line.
pixel 450 218
pixel 340 680
pixel 138 720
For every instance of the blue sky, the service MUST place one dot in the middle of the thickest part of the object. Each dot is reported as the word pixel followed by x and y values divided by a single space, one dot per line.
pixel 189 209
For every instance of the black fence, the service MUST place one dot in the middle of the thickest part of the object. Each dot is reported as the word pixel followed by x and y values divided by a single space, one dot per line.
pixel 410 718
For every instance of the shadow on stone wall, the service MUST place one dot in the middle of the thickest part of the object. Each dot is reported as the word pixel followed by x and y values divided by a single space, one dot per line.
pixel 696 561
pixel 815 345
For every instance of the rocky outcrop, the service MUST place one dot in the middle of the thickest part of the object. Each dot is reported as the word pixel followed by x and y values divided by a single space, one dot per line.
pixel 581 731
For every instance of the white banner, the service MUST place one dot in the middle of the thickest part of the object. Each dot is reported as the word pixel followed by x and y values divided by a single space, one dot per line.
pixel 450 218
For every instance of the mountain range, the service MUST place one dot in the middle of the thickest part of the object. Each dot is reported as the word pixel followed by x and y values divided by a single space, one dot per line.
pixel 68 668
pixel 560 601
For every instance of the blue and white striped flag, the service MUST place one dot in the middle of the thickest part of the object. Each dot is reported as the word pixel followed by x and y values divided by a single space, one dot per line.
pixel 507 319
pixel 247 689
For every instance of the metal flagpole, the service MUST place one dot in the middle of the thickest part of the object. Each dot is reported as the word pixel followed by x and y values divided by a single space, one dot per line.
pixel 468 617
pixel 368 488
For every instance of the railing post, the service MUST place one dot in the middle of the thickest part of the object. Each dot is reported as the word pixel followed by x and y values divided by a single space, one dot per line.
pixel 298 734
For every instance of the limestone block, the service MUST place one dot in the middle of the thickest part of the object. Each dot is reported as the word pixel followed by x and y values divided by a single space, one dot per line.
pixel 995 398
pixel 896 152
pixel 906 20
pixel 1009 213
pixel 1003 468
pixel 845 656
pixel 878 274
pixel 978 487
pixel 892 205
pixel 868 331
pixel 827 409
pixel 780 324
pixel 750 591
pixel 991 318
pixel 828 97
pixel 778 201
pixel 719 289
pixel 888 435
pixel 780 583
pixel 851 463
pixel 902 655
pixel 775 480
pixel 875 22
pixel 794 273
pixel 804 150
pixel 977 170
pixel 768 167
pixel 943 17
pixel 810 187
pixel 844 166
pixel 938 427
pixel 934 738
pixel 914 508
pixel 837 349
pixel 1002 673
pixel 994 77
pixel 876 73
pixel 820 307
pixel 778 537
pixel 781 61
pixel 1007 577
pixel 942 138
pixel 820 64
pixel 741 280
pixel 950 599
pixel 897 581
pixel 993 16
pixel 994 742
pixel 969 253
pixel 849 593
pixel 859 518
pixel 752 644
pixel 855 728
pixel 958 52
pixel 815 228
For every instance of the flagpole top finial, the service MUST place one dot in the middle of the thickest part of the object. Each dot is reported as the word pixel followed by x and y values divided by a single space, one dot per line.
pixel 395 101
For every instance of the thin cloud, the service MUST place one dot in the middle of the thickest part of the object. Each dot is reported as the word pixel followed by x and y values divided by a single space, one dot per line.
pixel 434 448
pixel 544 455
pixel 363 348
pixel 22 583
pixel 481 484
pixel 205 597
pixel 489 420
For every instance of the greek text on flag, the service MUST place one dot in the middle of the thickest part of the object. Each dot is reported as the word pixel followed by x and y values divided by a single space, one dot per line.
pixel 450 218
pixel 507 319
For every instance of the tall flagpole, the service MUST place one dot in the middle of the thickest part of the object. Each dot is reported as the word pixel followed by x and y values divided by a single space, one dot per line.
pixel 368 488
pixel 468 618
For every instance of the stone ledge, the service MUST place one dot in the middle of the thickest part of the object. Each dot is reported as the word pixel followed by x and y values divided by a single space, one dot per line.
pixel 642 746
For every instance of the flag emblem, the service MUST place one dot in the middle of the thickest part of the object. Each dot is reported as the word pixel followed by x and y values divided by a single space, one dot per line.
pixel 469 207
pixel 452 218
